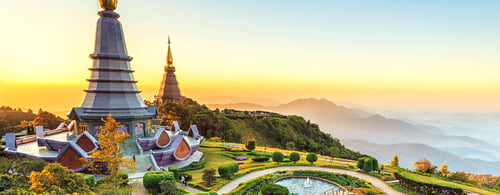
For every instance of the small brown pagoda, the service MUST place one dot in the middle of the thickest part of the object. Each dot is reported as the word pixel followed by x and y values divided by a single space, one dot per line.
pixel 169 90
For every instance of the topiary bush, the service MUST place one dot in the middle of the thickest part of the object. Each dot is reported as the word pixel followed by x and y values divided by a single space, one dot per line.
pixel 250 144
pixel 151 180
pixel 277 157
pixel 294 156
pixel 312 157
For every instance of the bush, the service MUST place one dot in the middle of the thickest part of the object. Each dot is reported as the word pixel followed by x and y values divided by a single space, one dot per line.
pixel 151 180
pixel 213 193
pixel 227 170
pixel 274 189
pixel 312 157
pixel 367 164
pixel 251 144
pixel 294 156
pixel 277 157
pixel 167 187
pixel 260 159
pixel 174 170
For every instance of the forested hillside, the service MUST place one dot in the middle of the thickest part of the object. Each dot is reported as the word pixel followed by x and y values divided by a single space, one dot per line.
pixel 15 120
pixel 269 129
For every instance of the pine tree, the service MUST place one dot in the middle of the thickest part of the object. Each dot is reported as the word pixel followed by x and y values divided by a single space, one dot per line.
pixel 395 161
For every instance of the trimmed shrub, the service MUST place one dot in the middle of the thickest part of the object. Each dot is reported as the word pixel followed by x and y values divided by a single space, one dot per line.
pixel 274 189
pixel 174 170
pixel 151 180
pixel 367 164
pixel 277 157
pixel 294 156
pixel 227 170
pixel 213 193
pixel 260 159
pixel 312 157
pixel 250 144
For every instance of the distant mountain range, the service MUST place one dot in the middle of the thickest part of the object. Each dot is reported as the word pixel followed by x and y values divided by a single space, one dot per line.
pixel 354 123
pixel 411 152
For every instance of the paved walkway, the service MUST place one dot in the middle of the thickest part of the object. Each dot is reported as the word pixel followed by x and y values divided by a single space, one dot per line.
pixel 377 183
pixel 187 188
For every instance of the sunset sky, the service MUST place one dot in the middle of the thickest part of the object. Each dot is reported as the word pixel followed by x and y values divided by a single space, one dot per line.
pixel 427 55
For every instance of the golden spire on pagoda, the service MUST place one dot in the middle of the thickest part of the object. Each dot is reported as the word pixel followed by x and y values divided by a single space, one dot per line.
pixel 108 4
pixel 170 60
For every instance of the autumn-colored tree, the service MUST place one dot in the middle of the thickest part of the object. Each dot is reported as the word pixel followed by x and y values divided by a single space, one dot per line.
pixel 443 170
pixel 395 161
pixel 108 159
pixel 55 178
pixel 424 166
pixel 209 176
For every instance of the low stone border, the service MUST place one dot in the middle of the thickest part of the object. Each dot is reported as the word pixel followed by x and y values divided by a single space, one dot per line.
pixel 312 177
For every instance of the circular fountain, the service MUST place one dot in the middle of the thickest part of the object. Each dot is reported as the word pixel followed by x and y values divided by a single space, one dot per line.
pixel 310 185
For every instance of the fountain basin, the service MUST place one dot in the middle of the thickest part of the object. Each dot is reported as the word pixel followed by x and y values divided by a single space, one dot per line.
pixel 317 185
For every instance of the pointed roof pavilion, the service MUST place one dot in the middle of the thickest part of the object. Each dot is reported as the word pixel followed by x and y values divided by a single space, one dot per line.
pixel 169 90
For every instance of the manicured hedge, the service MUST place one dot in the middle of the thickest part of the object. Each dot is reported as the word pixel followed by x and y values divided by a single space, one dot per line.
pixel 426 187
pixel 227 170
pixel 151 180
pixel 193 166
pixel 260 159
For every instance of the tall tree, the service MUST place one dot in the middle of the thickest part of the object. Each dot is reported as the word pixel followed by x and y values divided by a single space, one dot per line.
pixel 395 161
pixel 108 159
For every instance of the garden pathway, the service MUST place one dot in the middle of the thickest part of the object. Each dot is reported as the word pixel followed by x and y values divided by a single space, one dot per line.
pixel 377 183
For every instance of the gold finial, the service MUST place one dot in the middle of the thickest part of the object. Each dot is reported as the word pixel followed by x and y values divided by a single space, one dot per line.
pixel 170 60
pixel 108 4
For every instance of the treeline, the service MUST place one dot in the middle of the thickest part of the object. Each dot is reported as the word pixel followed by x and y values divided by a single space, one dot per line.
pixel 269 129
pixel 15 119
